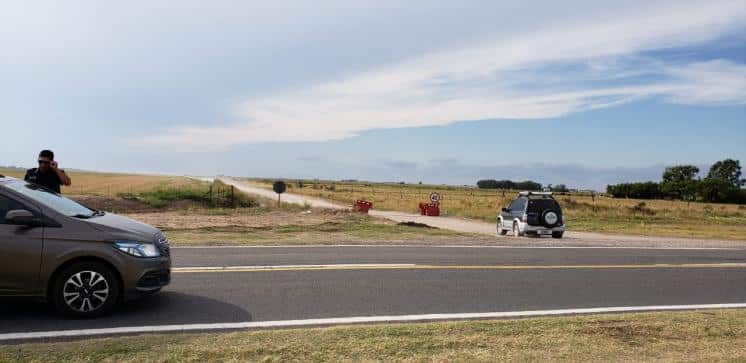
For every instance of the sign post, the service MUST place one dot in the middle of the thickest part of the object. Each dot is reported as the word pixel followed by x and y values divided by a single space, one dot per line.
pixel 279 187
pixel 435 198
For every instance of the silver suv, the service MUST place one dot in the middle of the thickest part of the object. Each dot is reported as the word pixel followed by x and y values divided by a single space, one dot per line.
pixel 532 213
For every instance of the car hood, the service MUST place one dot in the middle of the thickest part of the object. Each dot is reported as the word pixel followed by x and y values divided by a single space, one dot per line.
pixel 123 226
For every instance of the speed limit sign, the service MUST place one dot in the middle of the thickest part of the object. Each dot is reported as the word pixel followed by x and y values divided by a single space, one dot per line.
pixel 435 197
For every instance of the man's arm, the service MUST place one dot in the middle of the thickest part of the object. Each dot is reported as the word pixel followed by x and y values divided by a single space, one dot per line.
pixel 64 179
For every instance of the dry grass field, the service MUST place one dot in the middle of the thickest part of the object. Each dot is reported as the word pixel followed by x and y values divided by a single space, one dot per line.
pixel 583 212
pixel 113 184
pixel 291 226
pixel 180 207
pixel 697 336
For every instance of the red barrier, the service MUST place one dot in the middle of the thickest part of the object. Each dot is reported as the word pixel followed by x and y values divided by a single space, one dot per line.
pixel 423 209
pixel 362 206
pixel 429 209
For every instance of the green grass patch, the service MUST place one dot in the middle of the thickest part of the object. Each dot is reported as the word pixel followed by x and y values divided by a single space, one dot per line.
pixel 215 195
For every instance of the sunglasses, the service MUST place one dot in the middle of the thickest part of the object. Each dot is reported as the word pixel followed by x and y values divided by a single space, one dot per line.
pixel 44 161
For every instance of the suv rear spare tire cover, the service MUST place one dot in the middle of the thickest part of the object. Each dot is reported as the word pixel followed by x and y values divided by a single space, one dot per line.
pixel 550 218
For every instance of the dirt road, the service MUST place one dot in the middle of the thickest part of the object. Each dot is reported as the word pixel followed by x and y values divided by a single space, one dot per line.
pixel 473 226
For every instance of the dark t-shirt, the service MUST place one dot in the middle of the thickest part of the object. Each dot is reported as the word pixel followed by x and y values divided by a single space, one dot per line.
pixel 48 179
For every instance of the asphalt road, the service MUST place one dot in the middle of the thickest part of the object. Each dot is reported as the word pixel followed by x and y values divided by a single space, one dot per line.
pixel 448 255
pixel 456 280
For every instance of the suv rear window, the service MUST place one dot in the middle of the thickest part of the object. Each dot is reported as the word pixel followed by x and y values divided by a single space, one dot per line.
pixel 538 205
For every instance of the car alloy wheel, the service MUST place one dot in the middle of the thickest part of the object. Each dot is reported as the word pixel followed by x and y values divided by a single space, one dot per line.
pixel 86 291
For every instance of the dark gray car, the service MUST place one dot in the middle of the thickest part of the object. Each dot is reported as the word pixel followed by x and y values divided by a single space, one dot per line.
pixel 81 260
pixel 534 214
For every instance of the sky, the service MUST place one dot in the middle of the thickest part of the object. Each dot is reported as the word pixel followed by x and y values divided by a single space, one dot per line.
pixel 583 93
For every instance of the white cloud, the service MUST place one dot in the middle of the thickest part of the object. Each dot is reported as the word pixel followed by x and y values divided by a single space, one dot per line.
pixel 712 82
pixel 503 78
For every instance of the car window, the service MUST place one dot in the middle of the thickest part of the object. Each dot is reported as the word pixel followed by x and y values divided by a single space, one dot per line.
pixel 6 205
pixel 510 206
pixel 520 204
pixel 49 198
pixel 538 205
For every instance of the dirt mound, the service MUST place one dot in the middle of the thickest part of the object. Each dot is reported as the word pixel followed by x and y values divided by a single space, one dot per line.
pixel 112 204
pixel 415 224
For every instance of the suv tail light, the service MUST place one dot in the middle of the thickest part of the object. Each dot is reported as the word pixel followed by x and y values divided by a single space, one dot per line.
pixel 525 218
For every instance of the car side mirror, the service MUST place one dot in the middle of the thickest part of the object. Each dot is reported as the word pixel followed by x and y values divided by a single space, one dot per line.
pixel 21 217
pixel 505 210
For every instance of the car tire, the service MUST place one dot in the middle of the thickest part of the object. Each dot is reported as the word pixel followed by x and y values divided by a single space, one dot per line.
pixel 500 230
pixel 516 230
pixel 557 234
pixel 86 290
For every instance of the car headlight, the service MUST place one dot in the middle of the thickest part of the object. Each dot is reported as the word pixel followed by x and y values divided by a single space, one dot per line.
pixel 137 249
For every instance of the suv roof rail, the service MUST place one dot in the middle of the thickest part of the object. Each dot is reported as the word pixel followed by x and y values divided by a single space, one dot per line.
pixel 527 193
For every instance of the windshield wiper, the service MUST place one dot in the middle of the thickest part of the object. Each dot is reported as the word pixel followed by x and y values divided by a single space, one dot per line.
pixel 82 216
pixel 98 212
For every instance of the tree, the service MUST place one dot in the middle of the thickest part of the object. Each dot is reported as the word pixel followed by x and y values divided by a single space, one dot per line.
pixel 715 190
pixel 508 184
pixel 680 173
pixel 678 181
pixel 487 184
pixel 646 190
pixel 561 188
pixel 729 170
pixel 528 185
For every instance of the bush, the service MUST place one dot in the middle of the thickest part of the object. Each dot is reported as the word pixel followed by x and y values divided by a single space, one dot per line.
pixel 646 190
pixel 643 209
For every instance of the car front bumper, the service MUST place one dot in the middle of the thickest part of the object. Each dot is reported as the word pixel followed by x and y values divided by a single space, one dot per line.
pixel 145 276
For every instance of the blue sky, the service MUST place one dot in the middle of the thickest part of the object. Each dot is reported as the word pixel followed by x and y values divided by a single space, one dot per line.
pixel 583 92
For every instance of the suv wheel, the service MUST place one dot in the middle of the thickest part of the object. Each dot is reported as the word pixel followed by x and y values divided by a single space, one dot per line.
pixel 516 230
pixel 86 290
pixel 502 231
pixel 557 234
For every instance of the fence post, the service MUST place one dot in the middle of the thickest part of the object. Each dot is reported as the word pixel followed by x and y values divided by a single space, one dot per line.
pixel 233 196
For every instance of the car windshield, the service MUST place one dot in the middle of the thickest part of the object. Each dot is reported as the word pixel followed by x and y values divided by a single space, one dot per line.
pixel 538 205
pixel 51 199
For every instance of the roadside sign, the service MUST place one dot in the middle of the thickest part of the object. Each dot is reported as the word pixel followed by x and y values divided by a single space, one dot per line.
pixel 435 197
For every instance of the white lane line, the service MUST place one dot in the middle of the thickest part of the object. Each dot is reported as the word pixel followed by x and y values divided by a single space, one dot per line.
pixel 350 320
pixel 468 246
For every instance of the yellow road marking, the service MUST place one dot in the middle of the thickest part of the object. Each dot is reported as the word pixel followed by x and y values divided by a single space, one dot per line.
pixel 459 267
